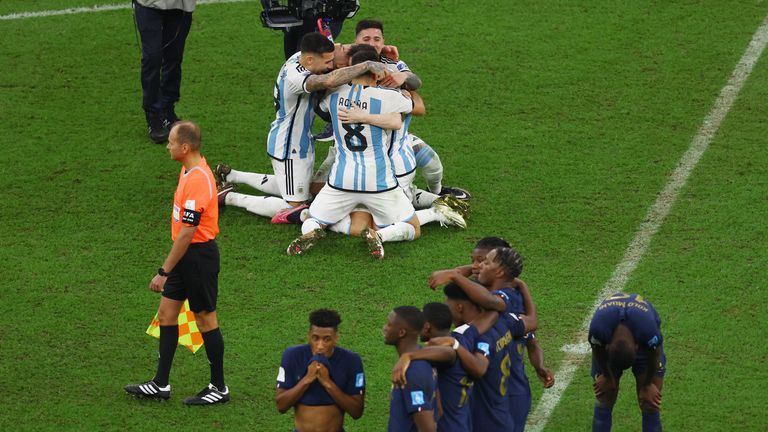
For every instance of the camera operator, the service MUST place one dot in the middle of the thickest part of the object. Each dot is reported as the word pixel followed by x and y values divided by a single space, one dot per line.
pixel 163 26
pixel 310 11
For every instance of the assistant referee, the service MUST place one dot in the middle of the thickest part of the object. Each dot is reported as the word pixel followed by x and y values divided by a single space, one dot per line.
pixel 190 271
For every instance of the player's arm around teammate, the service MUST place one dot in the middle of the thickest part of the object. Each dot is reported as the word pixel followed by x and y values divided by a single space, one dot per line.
pixel 344 75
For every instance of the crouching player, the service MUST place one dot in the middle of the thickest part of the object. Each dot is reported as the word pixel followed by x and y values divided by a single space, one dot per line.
pixel 626 332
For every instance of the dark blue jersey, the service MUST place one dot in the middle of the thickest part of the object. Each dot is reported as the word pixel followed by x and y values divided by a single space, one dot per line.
pixel 512 299
pixel 456 386
pixel 518 380
pixel 634 312
pixel 417 395
pixel 344 367
pixel 490 407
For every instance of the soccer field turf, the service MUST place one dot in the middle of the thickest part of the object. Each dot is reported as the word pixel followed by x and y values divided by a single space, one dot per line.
pixel 563 119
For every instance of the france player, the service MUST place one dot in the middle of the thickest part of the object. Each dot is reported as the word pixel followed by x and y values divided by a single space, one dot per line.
pixel 289 142
pixel 320 380
pixel 453 355
pixel 362 172
pixel 625 332
pixel 412 407
pixel 490 406
pixel 498 289
pixel 507 297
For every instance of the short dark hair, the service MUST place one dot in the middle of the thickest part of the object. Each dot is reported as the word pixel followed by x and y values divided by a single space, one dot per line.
pixel 454 292
pixel 438 315
pixel 327 318
pixel 621 354
pixel 369 24
pixel 491 243
pixel 361 52
pixel 315 43
pixel 510 260
pixel 188 132
pixel 412 316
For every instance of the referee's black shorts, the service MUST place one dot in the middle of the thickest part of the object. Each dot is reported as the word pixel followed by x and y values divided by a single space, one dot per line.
pixel 196 277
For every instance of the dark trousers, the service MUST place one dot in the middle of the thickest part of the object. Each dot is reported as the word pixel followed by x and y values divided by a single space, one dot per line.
pixel 292 36
pixel 163 34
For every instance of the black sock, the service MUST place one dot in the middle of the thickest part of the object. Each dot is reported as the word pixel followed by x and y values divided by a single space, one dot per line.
pixel 169 340
pixel 214 348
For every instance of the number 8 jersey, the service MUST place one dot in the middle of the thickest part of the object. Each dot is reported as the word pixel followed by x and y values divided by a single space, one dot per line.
pixel 363 161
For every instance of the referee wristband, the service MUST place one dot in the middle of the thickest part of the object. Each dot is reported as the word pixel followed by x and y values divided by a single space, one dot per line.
pixel 161 271
pixel 455 344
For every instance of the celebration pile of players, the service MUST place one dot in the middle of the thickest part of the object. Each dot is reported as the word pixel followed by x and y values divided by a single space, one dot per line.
pixel 467 378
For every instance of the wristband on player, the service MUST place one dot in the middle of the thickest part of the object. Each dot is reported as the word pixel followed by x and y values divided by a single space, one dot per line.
pixel 455 344
pixel 161 271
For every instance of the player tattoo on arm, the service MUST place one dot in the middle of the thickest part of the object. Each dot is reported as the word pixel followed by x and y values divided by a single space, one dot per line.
pixel 412 81
pixel 343 75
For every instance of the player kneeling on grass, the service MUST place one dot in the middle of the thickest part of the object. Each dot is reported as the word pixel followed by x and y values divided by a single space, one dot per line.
pixel 362 172
pixel 626 332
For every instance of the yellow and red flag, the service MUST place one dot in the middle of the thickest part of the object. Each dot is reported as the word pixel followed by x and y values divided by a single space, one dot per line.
pixel 189 335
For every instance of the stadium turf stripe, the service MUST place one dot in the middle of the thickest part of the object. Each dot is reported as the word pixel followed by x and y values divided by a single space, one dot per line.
pixel 575 353
pixel 87 9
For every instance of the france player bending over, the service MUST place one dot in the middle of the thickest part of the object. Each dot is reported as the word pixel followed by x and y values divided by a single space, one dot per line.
pixel 626 332
pixel 362 171
pixel 320 380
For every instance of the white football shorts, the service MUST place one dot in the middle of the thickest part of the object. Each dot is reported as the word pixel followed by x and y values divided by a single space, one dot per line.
pixel 331 205
pixel 293 178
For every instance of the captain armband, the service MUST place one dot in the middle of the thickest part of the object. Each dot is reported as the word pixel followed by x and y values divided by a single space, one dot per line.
pixel 191 217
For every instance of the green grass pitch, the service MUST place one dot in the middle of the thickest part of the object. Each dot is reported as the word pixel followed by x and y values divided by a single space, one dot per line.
pixel 563 118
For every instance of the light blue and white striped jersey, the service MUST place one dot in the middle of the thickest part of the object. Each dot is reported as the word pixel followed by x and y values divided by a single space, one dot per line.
pixel 403 157
pixel 290 136
pixel 363 162
pixel 394 65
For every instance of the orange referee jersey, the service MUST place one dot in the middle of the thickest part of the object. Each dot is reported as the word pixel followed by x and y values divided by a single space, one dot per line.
pixel 195 203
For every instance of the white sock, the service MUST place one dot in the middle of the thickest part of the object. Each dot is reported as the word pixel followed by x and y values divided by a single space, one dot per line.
pixel 423 199
pixel 262 206
pixel 310 225
pixel 342 226
pixel 263 182
pixel 321 175
pixel 399 231
pixel 431 168
pixel 428 215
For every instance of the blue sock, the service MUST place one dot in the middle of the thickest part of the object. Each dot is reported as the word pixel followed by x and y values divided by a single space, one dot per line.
pixel 602 418
pixel 651 421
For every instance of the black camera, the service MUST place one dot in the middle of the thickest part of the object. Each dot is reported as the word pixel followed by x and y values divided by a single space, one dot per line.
pixel 293 14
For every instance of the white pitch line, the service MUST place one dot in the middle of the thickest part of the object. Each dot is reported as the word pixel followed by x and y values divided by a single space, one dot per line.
pixel 574 353
pixel 88 9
